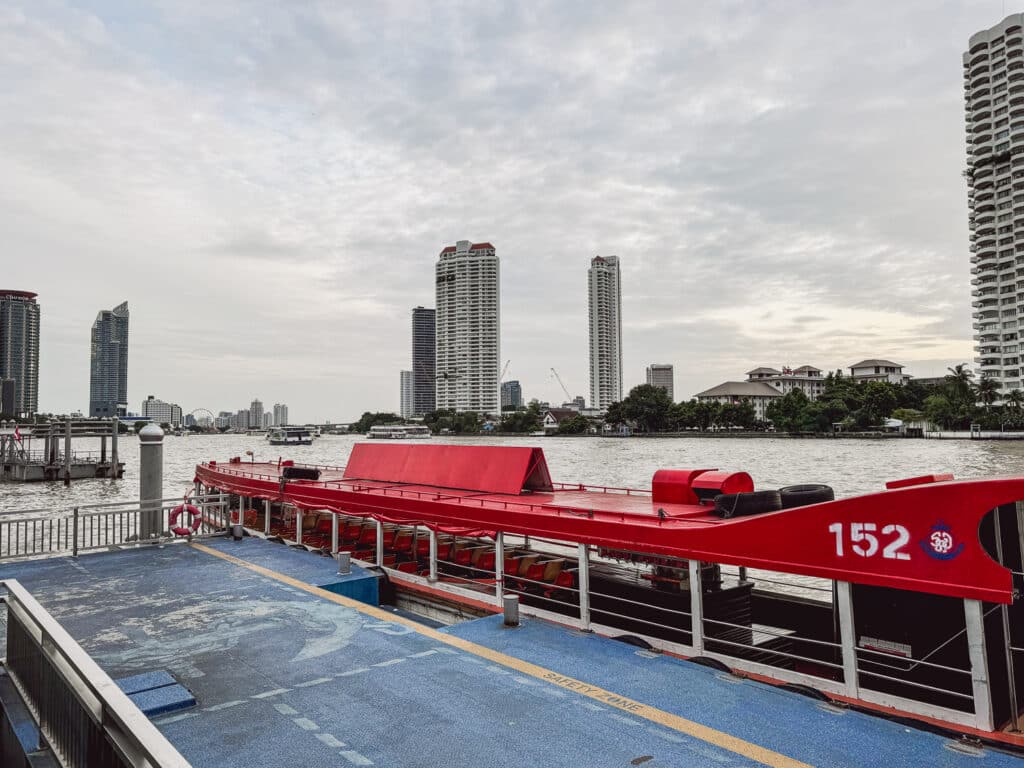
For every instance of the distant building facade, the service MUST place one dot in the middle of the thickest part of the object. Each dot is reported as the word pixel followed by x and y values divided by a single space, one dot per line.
pixel 108 366
pixel 242 420
pixel 255 414
pixel 19 348
pixel 759 394
pixel 7 389
pixel 424 351
pixel 160 412
pixel 605 303
pixel 662 375
pixel 468 328
pixel 994 135
pixel 806 378
pixel 405 394
pixel 280 414
pixel 511 394
pixel 878 370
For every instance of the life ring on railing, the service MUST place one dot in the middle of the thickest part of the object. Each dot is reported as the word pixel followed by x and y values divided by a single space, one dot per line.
pixel 194 514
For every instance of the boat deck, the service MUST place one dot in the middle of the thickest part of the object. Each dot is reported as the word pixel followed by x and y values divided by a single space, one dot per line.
pixel 286 673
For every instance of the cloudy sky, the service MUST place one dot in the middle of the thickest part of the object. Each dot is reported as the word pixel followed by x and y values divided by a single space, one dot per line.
pixel 269 184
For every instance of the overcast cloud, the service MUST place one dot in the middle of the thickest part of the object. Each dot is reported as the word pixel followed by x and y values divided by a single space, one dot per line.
pixel 269 184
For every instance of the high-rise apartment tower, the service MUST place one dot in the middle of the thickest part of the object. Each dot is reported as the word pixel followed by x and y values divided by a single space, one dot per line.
pixel 605 331
pixel 661 375
pixel 468 328
pixel 280 415
pixel 424 349
pixel 995 170
pixel 405 394
pixel 108 367
pixel 19 348
pixel 256 414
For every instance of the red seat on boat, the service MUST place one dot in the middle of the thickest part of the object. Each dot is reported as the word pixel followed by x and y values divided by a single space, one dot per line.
pixel 423 546
pixel 464 556
pixel 486 561
pixel 410 567
pixel 403 542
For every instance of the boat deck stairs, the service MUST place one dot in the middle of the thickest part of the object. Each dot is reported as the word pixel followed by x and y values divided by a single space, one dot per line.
pixel 287 670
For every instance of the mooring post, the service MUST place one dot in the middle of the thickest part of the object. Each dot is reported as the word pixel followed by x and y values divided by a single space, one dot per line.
pixel 67 452
pixel 151 480
pixel 115 427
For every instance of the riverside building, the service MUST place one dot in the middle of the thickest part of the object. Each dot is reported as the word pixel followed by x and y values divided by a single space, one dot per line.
pixel 19 348
pixel 280 414
pixel 160 412
pixel 806 378
pixel 424 350
pixel 108 367
pixel 662 375
pixel 468 328
pixel 405 394
pixel 605 331
pixel 511 395
pixel 994 102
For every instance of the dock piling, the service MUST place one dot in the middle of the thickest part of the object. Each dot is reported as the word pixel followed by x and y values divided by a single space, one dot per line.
pixel 151 480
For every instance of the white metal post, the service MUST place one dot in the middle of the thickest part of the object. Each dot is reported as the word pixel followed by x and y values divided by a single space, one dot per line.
pixel 979 665
pixel 499 565
pixel 848 637
pixel 584 574
pixel 696 608
pixel 433 555
pixel 334 532
pixel 266 517
pixel 298 525
pixel 380 543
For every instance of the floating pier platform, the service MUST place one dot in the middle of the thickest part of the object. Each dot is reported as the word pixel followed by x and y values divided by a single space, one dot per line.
pixel 44 452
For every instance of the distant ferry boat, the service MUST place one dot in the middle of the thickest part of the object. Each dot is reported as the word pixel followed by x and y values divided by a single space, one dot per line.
pixel 398 432
pixel 290 436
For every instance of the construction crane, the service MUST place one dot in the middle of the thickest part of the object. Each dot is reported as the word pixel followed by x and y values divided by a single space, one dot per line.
pixel 568 397
pixel 504 371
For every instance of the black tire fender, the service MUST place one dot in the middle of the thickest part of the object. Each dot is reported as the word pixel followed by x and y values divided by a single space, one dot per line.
pixel 752 503
pixel 803 495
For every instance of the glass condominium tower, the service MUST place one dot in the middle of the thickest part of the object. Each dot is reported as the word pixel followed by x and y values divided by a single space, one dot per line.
pixel 19 349
pixel 108 368
pixel 993 69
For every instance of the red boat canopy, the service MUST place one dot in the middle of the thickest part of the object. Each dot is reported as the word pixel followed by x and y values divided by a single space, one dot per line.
pixel 490 469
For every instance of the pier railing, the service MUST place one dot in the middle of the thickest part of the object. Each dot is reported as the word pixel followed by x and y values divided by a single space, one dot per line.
pixel 47 532
pixel 79 712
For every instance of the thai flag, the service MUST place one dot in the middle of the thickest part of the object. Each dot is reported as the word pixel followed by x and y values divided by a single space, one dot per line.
pixel 17 433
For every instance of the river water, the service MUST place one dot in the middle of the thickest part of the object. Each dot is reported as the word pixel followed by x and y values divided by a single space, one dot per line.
pixel 851 466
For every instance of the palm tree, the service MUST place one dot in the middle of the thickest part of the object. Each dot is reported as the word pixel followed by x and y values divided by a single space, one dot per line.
pixel 959 383
pixel 1014 398
pixel 987 391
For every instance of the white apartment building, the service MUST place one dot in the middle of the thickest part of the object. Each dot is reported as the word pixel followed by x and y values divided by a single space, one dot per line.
pixel 806 378
pixel 878 370
pixel 993 90
pixel 662 375
pixel 280 415
pixel 160 412
pixel 468 328
pixel 405 390
pixel 255 414
pixel 758 393
pixel 605 331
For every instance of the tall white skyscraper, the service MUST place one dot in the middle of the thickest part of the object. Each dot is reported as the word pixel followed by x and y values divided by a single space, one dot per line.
pixel 994 134
pixel 468 328
pixel 405 390
pixel 256 414
pixel 605 331
pixel 280 414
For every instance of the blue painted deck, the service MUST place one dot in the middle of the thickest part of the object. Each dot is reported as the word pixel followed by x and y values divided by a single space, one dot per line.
pixel 287 678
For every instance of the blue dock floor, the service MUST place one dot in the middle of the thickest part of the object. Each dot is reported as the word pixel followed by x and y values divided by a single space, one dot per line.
pixel 287 674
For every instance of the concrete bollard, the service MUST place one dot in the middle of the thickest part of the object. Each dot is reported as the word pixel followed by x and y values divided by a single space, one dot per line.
pixel 511 606
pixel 151 480
pixel 344 563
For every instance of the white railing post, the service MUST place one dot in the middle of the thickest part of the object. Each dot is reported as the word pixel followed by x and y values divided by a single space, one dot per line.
pixel 584 574
pixel 696 608
pixel 380 543
pixel 298 525
pixel 334 533
pixel 433 555
pixel 848 637
pixel 499 565
pixel 266 517
pixel 974 616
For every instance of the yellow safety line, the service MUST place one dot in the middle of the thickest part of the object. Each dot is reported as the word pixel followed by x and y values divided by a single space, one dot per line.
pixel 675 722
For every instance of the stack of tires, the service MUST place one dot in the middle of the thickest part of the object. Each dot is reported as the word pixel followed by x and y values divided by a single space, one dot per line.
pixel 758 502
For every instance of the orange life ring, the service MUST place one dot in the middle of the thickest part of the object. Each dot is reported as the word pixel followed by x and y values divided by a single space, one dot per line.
pixel 194 513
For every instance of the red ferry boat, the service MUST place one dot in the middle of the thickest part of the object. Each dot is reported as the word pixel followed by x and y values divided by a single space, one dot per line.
pixel 903 602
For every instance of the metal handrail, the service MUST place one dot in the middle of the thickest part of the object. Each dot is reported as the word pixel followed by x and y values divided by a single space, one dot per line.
pixel 129 731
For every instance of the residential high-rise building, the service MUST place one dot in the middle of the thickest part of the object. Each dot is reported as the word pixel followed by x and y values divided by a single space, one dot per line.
pixel 280 414
pixel 108 369
pixel 468 328
pixel 662 375
pixel 19 348
pixel 424 350
pixel 7 390
pixel 605 331
pixel 405 396
pixel 511 395
pixel 993 134
pixel 160 412
pixel 268 419
pixel 256 414
pixel 242 420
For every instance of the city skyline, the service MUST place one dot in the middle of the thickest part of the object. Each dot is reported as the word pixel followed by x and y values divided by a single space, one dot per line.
pixel 743 193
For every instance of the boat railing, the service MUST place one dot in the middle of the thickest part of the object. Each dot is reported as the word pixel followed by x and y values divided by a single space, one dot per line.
pixel 42 532
pixel 600 489
pixel 79 712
